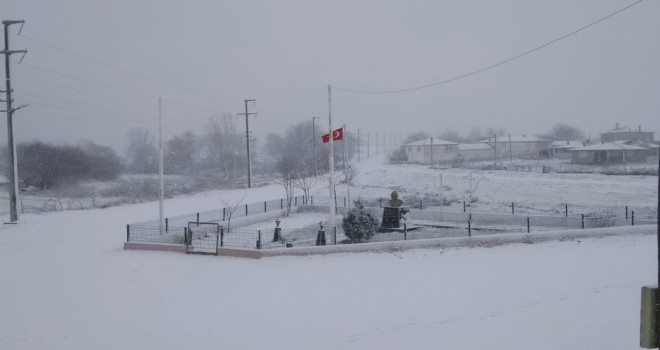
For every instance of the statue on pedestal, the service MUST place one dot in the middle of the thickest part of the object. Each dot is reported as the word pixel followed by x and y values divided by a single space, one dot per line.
pixel 392 214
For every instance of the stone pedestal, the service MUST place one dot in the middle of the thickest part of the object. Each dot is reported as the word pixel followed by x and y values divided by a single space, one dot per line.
pixel 392 217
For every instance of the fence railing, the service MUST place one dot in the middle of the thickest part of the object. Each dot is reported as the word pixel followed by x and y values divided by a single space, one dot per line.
pixel 196 230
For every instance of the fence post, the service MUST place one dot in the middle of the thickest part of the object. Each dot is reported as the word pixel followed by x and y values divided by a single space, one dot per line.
pixel 344 201
pixel 197 219
pixel 128 233
pixel 583 221
pixel 513 208
pixel 259 240
pixel 421 205
pixel 566 211
pixel 222 236
pixel 528 224
pixel 224 212
pixel 167 226
pixel 632 217
pixel 295 201
pixel 469 228
pixel 217 240
pixel 381 202
pixel 281 204
pixel 311 198
pixel 335 230
pixel 185 237
pixel 464 206
pixel 246 210
pixel 405 231
pixel 626 212
pixel 265 207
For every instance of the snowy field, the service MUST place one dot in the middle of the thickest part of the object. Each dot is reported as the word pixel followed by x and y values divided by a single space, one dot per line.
pixel 67 283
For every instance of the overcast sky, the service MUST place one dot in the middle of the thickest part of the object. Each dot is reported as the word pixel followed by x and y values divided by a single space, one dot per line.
pixel 285 53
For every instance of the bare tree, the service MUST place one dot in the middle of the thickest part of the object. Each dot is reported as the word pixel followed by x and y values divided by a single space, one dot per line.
pixel 224 140
pixel 287 174
pixel 230 208
pixel 564 132
pixel 350 173
pixel 141 152
pixel 305 181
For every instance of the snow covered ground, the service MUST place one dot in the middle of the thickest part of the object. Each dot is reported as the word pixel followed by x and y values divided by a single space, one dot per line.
pixel 67 283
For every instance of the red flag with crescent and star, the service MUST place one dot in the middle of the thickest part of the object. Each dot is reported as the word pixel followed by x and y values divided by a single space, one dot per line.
pixel 336 135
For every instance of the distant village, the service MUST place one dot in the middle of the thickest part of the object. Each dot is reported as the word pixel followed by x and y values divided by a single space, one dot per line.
pixel 622 144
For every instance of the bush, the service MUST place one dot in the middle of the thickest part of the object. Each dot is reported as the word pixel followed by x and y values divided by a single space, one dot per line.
pixel 359 225
pixel 43 166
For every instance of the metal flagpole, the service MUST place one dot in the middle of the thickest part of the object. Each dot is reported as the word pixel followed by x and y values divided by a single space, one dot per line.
pixel 160 163
pixel 348 185
pixel 331 160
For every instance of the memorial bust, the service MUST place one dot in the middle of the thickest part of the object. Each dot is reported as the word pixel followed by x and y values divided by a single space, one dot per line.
pixel 395 202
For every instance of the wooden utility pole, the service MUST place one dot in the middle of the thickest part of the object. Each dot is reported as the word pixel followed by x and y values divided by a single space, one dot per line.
pixel 11 147
pixel 247 140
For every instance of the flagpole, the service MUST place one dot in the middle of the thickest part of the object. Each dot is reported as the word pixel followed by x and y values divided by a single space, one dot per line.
pixel 348 184
pixel 160 163
pixel 331 160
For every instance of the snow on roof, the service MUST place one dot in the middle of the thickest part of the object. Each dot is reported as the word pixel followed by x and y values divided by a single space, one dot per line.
pixel 474 146
pixel 609 146
pixel 427 142
pixel 523 138
pixel 566 144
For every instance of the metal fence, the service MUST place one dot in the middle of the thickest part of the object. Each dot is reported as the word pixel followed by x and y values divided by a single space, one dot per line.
pixel 204 232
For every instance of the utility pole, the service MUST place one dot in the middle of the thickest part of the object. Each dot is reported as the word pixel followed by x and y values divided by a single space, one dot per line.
pixel 431 152
pixel 247 140
pixel 13 168
pixel 358 145
pixel 314 142
pixel 368 143
pixel 496 150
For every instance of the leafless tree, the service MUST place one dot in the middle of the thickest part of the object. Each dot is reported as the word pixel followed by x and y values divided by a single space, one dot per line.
pixel 141 151
pixel 287 170
pixel 224 140
pixel 230 208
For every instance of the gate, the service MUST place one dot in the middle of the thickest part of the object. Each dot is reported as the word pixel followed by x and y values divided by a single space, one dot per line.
pixel 202 238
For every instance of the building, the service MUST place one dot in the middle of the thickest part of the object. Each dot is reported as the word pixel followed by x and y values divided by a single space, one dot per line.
pixel 561 148
pixel 626 133
pixel 475 151
pixel 518 146
pixel 431 150
pixel 609 153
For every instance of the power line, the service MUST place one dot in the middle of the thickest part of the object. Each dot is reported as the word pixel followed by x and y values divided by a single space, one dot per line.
pixel 94 121
pixel 492 65
pixel 97 107
pixel 117 68
pixel 110 116
pixel 105 86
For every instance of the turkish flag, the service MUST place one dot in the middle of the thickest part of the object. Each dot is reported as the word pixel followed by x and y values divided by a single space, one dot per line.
pixel 336 135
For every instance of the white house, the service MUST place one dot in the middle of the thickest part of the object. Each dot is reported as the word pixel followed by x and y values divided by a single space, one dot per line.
pixel 518 146
pixel 431 150
pixel 475 151
pixel 610 152
pixel 558 148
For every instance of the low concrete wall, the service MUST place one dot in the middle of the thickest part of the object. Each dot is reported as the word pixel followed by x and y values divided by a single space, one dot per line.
pixel 241 253
pixel 162 247
pixel 476 241
pixel 442 243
